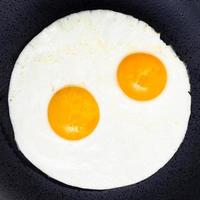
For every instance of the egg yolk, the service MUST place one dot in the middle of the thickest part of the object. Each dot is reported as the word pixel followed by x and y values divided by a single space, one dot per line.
pixel 73 113
pixel 141 76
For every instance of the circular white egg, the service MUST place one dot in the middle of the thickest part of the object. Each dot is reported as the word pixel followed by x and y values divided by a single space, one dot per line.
pixel 133 139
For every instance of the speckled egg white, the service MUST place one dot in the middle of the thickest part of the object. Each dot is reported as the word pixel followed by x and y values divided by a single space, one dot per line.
pixel 133 139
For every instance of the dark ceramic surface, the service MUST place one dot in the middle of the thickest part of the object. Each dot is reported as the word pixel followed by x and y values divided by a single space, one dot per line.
pixel 179 24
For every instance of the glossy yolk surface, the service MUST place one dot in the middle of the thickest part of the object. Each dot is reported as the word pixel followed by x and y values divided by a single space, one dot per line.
pixel 141 76
pixel 73 113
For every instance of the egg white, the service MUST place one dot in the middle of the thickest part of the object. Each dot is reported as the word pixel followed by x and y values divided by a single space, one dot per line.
pixel 133 139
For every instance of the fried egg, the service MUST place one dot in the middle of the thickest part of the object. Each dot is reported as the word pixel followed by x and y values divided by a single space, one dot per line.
pixel 97 100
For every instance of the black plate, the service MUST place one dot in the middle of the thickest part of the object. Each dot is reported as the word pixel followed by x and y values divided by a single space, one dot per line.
pixel 179 24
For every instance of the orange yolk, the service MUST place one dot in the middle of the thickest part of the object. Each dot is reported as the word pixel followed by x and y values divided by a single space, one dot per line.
pixel 142 76
pixel 73 113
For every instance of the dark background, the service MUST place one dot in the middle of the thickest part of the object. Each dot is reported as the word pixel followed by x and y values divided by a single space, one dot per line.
pixel 179 24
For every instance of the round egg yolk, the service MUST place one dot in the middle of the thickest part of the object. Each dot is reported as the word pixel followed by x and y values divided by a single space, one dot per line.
pixel 73 113
pixel 141 76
